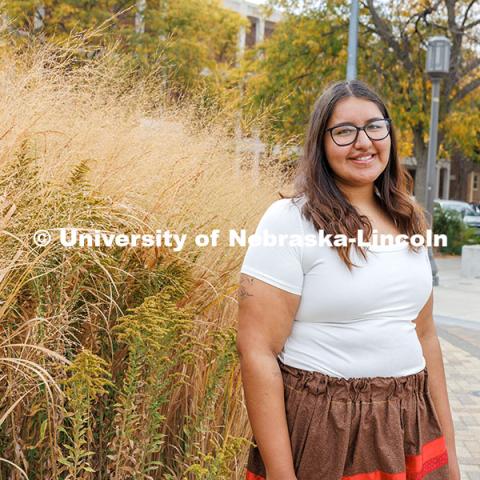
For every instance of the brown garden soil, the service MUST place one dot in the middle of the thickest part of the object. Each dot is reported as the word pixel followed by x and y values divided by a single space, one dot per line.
pixel 444 255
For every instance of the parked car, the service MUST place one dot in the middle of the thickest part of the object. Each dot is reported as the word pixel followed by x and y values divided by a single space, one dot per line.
pixel 470 216
pixel 476 207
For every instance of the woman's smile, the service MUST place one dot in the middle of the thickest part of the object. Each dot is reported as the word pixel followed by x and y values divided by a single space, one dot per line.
pixel 364 160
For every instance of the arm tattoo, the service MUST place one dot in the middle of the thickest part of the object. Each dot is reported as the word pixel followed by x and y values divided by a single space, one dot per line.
pixel 242 290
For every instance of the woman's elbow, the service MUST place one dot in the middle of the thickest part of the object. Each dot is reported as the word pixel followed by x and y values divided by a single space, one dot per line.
pixel 253 347
pixel 245 345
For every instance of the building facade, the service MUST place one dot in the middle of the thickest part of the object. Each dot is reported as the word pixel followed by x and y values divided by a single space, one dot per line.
pixel 261 26
pixel 465 180
pixel 443 176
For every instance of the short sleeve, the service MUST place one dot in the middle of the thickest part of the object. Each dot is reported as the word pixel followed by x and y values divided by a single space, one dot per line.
pixel 280 264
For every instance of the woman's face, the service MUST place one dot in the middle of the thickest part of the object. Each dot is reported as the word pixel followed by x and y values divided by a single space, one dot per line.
pixel 362 162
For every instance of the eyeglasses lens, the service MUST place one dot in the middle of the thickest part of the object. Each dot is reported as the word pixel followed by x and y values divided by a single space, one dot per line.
pixel 376 130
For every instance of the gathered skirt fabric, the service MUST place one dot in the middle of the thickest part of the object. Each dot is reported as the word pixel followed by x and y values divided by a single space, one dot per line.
pixel 373 428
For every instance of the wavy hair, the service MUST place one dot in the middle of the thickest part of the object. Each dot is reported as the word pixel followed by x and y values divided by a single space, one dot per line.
pixel 326 206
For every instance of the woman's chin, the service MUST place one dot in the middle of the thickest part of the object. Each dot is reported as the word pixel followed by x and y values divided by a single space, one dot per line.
pixel 365 175
pixel 366 179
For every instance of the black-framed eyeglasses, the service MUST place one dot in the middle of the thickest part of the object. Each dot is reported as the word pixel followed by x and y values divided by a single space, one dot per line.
pixel 346 134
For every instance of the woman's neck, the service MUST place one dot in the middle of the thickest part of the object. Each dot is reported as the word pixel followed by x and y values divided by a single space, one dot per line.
pixel 363 197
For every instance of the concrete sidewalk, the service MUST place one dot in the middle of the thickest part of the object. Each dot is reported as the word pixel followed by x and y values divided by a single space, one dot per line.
pixel 457 317
pixel 456 297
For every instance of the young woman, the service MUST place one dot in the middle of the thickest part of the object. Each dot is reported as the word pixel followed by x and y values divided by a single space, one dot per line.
pixel 341 365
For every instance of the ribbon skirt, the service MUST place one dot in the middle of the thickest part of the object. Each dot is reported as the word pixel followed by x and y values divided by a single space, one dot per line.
pixel 376 428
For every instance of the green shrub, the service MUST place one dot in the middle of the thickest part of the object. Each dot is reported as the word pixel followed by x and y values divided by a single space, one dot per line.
pixel 450 223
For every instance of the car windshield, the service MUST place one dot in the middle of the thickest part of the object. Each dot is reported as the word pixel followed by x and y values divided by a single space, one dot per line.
pixel 465 210
pixel 471 212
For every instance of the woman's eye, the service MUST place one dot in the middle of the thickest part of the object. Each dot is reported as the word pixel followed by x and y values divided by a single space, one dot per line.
pixel 344 131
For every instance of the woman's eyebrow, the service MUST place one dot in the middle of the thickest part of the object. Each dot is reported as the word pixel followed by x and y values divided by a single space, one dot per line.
pixel 351 123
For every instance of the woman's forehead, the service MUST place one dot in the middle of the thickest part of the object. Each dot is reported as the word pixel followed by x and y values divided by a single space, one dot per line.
pixel 354 110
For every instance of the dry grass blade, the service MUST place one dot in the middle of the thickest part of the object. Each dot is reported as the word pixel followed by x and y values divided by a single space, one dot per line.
pixel 15 466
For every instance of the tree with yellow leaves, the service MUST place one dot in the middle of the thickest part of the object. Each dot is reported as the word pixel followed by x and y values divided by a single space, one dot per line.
pixel 308 50
pixel 189 43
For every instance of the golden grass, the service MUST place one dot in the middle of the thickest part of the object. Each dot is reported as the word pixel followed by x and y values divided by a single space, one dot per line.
pixel 88 144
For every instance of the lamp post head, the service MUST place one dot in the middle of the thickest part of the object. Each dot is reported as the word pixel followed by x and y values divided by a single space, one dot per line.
pixel 438 57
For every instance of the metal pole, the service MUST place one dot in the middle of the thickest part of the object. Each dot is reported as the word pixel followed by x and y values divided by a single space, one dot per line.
pixel 141 5
pixel 241 45
pixel 352 42
pixel 39 17
pixel 431 166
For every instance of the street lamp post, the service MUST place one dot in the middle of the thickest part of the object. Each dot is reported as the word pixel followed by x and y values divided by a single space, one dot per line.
pixel 352 42
pixel 437 67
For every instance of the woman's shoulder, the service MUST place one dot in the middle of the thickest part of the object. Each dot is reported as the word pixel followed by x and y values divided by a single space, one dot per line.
pixel 285 210
pixel 288 204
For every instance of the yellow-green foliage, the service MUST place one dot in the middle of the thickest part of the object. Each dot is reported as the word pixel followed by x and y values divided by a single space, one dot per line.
pixel 287 73
pixel 87 378
pixel 159 339
pixel 217 466
pixel 182 39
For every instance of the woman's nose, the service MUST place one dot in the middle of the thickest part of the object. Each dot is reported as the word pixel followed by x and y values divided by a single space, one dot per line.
pixel 362 138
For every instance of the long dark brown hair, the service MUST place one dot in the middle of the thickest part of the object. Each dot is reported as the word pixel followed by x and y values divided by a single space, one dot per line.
pixel 326 206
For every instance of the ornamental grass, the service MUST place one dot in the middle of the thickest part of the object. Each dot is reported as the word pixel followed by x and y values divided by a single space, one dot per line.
pixel 118 362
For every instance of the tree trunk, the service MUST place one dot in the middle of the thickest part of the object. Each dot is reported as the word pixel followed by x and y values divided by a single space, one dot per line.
pixel 460 169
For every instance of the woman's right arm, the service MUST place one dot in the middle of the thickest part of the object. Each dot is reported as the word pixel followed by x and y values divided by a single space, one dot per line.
pixel 265 319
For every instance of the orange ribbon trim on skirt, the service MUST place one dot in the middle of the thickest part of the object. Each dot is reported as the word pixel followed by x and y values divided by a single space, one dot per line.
pixel 434 455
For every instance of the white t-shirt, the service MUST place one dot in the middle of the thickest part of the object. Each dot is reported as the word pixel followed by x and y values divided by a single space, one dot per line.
pixel 348 324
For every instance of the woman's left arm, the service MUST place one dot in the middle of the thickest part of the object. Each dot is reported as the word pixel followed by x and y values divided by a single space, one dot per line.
pixel 427 335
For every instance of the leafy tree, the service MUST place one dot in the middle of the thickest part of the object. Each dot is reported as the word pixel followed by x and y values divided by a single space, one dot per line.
pixel 197 38
pixel 190 43
pixel 308 50
pixel 284 74
pixel 403 29
pixel 57 19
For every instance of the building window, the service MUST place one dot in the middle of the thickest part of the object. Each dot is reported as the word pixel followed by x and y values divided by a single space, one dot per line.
pixel 475 178
pixel 251 36
pixel 269 28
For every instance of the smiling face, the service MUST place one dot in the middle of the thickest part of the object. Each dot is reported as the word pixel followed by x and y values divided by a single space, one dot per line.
pixel 362 162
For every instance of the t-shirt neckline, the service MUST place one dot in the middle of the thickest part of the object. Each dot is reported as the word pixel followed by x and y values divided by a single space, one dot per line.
pixel 394 247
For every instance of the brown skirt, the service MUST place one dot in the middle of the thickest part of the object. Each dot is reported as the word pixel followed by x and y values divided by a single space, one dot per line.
pixel 375 428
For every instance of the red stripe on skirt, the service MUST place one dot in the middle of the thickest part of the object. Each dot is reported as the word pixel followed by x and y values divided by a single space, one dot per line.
pixel 252 476
pixel 433 455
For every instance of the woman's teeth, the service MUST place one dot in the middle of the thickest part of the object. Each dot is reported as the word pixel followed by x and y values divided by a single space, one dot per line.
pixel 363 159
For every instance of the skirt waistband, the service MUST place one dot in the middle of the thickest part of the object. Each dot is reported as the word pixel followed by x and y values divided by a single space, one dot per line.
pixel 367 389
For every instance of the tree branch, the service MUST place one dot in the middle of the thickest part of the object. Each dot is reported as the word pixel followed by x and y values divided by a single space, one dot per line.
pixel 452 24
pixel 307 72
pixel 423 16
pixel 469 88
pixel 471 25
pixel 456 35
pixel 471 66
pixel 470 5
pixel 383 29
pixel 367 27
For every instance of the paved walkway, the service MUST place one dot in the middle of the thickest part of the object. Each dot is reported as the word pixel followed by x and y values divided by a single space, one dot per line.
pixel 457 317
